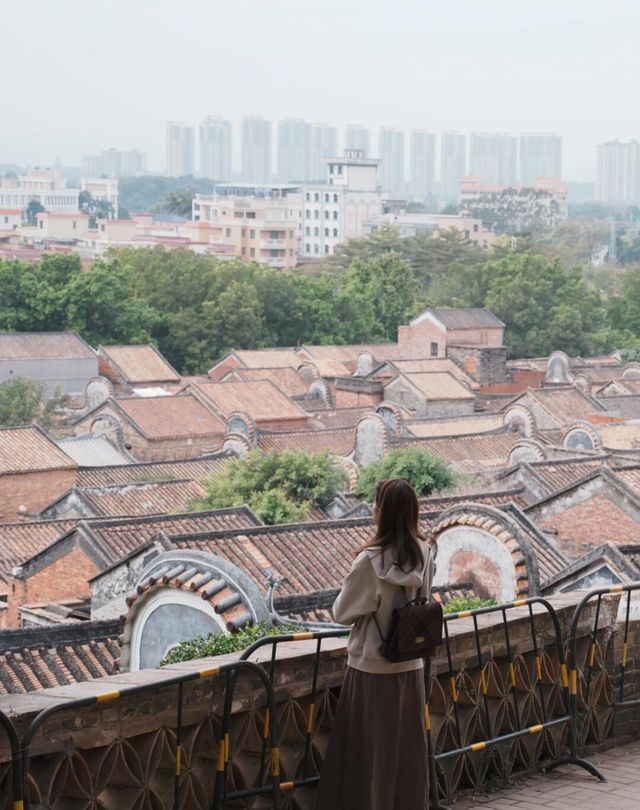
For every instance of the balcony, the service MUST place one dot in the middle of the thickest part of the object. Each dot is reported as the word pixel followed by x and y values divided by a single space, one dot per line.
pixel 151 739
pixel 273 244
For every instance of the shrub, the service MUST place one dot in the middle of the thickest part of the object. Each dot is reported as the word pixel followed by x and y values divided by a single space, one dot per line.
pixel 459 603
pixel 426 473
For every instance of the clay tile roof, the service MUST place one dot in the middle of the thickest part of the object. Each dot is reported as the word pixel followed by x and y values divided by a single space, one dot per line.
pixel 139 364
pixel 557 475
pixel 117 538
pixel 286 378
pixel 40 658
pixel 630 477
pixel 92 451
pixel 467 318
pixel 439 385
pixel 566 404
pixel 350 353
pixel 195 469
pixel 171 417
pixel 432 364
pixel 21 541
pixel 436 503
pixel 312 556
pixel 44 346
pixel 28 449
pixel 142 499
pixel 621 436
pixel 626 406
pixel 471 453
pixel 268 358
pixel 261 399
pixel 456 425
pixel 340 441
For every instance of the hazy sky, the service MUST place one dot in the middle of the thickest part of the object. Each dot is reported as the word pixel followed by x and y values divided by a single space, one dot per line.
pixel 83 75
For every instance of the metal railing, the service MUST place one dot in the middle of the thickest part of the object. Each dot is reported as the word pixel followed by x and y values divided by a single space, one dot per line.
pixel 589 661
pixel 230 671
pixel 489 741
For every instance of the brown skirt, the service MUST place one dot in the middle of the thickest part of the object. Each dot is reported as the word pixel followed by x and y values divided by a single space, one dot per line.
pixel 377 753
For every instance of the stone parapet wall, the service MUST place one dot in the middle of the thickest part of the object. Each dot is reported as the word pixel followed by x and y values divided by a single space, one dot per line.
pixel 121 753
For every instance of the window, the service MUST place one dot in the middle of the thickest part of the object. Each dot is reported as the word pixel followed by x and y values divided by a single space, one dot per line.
pixel 308 214
pixel 252 234
pixel 244 232
pixel 326 215
pixel 316 231
pixel 434 350
pixel 244 251
pixel 316 249
pixel 307 231
pixel 6 220
pixel 41 223
pixel 335 198
pixel 290 234
pixel 335 215
pixel 307 248
pixel 274 235
pixel 339 169
pixel 227 233
pixel 326 198
pixel 335 233
pixel 326 231
pixel 475 228
pixel 308 197
pixel 316 214
pixel 274 253
pixel 331 168
pixel 316 197
pixel 252 251
pixel 326 249
pixel 75 225
pixel 251 214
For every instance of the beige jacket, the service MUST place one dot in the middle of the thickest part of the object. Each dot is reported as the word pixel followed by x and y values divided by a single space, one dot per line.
pixel 375 584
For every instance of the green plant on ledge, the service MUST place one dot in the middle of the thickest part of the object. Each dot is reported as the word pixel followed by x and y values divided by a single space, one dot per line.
pixel 460 603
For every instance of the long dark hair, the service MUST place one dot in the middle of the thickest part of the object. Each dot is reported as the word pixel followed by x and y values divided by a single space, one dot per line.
pixel 397 527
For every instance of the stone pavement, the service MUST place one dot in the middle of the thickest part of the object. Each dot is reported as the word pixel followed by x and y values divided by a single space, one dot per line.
pixel 570 787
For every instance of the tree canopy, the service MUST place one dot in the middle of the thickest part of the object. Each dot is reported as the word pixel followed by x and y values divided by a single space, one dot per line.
pixel 281 487
pixel 23 401
pixel 425 472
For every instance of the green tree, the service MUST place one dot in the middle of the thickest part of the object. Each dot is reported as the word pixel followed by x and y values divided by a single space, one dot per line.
pixel 280 487
pixel 544 307
pixel 96 208
pixel 425 472
pixel 23 402
pixel 177 202
pixel 31 212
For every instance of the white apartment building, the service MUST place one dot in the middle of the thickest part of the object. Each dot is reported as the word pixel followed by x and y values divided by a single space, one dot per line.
pixel 180 145
pixel 391 152
pixel 357 137
pixel 493 157
pixel 215 148
pixel 338 209
pixel 540 156
pixel 409 225
pixel 618 176
pixel 256 149
pixel 453 163
pixel 103 188
pixel 423 163
pixel 45 186
pixel 115 163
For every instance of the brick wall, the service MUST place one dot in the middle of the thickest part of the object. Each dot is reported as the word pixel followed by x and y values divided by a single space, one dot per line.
pixel 487 365
pixel 415 341
pixel 65 578
pixel 35 490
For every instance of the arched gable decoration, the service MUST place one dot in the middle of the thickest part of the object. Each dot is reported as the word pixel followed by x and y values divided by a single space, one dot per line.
pixel 97 391
pixel 391 416
pixel 631 371
pixel 183 594
pixel 364 364
pixel 527 450
pixel 242 423
pixel 582 436
pixel 559 368
pixel 521 419
pixel 372 439
pixel 486 547
pixel 108 425
pixel 319 390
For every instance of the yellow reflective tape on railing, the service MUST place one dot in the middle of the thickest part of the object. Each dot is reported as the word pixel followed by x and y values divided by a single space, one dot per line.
pixel 427 717
pixel 275 761
pixel 463 614
pixel 227 747
pixel 478 746
pixel 564 674
pixel 105 696
pixel 208 673
pixel 538 668
pixel 310 716
pixel 519 603
pixel 454 691
pixel 18 805
pixel 536 729
pixel 512 674
pixel 625 648
pixel 574 681
pixel 287 785
pixel 592 654
pixel 178 759
pixel 221 753
pixel 483 682
pixel 265 725
pixel 616 588
pixel 302 636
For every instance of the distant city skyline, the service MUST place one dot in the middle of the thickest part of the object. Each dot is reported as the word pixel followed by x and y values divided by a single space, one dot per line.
pixel 496 66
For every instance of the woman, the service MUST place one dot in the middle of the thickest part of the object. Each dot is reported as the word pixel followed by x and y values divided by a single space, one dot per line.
pixel 377 755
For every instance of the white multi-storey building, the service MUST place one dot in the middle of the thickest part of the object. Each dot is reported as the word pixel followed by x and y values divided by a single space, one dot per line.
pixel 44 186
pixel 214 145
pixel 357 137
pixel 256 149
pixel 391 153
pixel 338 209
pixel 423 163
pixel 618 176
pixel 115 163
pixel 540 156
pixel 324 144
pixel 453 163
pixel 294 150
pixel 493 157
pixel 180 149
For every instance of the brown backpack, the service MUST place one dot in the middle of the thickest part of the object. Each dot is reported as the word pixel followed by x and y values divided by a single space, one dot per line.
pixel 415 630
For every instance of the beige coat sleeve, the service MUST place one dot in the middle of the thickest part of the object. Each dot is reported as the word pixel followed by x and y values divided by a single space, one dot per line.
pixel 359 594
pixel 428 574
